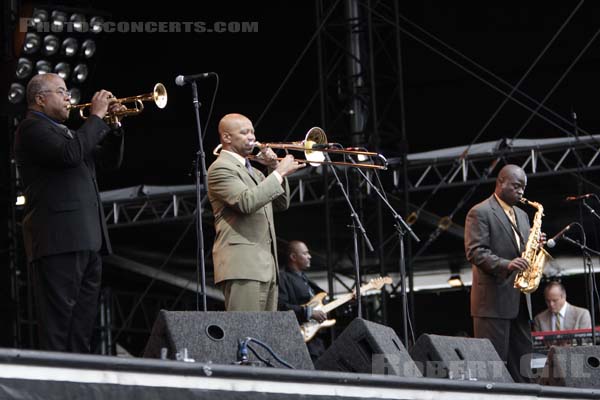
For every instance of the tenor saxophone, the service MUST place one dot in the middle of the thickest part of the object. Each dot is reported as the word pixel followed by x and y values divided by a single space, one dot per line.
pixel 528 280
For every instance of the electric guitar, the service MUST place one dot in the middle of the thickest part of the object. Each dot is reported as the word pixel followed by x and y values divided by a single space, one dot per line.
pixel 309 329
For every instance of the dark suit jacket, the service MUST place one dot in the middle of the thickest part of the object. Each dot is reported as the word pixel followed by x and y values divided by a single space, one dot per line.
pixel 293 293
pixel 575 318
pixel 245 243
pixel 490 245
pixel 63 211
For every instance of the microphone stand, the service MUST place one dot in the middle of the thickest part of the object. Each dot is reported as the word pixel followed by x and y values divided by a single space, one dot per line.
pixel 587 258
pixel 200 183
pixel 401 228
pixel 591 210
pixel 356 225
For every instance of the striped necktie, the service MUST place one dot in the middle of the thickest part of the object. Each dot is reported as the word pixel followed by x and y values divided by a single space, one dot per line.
pixel 557 322
pixel 513 219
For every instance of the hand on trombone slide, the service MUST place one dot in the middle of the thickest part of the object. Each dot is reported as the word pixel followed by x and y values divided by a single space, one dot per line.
pixel 285 166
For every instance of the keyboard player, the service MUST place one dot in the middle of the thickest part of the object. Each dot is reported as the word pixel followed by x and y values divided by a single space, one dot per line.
pixel 560 314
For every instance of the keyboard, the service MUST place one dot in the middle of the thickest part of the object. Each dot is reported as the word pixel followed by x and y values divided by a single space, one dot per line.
pixel 569 337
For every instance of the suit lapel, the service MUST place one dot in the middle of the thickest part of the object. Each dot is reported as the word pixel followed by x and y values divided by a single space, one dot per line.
pixel 249 179
pixel 522 225
pixel 570 318
pixel 548 319
pixel 503 218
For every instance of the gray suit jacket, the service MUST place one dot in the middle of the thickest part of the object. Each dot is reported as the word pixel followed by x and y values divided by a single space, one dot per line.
pixel 575 318
pixel 490 245
pixel 245 244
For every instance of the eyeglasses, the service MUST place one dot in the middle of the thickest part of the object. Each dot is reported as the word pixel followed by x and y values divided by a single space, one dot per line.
pixel 60 91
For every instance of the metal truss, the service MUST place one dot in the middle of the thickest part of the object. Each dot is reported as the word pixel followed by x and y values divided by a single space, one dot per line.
pixel 154 209
pixel 547 157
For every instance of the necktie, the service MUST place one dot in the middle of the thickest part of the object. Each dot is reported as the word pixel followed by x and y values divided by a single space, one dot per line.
pixel 513 219
pixel 557 322
pixel 249 167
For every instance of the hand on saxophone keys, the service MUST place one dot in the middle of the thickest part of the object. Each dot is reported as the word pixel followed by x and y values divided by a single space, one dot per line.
pixel 518 264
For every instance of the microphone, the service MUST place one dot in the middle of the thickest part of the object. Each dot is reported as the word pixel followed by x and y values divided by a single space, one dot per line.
pixel 581 197
pixel 181 80
pixel 552 242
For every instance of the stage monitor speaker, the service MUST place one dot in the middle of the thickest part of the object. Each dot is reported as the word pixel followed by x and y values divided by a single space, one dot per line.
pixel 214 336
pixel 576 366
pixel 459 358
pixel 368 347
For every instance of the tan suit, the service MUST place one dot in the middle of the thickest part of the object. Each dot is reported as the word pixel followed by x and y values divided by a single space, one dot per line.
pixel 245 246
pixel 575 318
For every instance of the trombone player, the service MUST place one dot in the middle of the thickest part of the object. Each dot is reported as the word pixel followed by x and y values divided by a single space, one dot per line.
pixel 243 201
pixel 63 225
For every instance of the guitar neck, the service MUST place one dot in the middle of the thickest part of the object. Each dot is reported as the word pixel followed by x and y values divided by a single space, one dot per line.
pixel 337 302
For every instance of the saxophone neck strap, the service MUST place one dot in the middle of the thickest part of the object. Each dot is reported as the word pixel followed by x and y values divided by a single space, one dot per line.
pixel 529 308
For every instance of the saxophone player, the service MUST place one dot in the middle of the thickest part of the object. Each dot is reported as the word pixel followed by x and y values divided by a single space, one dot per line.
pixel 496 233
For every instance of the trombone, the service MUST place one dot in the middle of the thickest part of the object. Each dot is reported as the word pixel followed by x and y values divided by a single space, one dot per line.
pixel 315 146
pixel 158 95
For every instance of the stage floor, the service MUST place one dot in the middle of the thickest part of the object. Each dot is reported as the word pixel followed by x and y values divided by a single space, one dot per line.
pixel 49 375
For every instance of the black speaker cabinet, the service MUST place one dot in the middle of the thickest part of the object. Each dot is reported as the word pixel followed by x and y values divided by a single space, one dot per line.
pixel 459 358
pixel 368 347
pixel 577 366
pixel 214 336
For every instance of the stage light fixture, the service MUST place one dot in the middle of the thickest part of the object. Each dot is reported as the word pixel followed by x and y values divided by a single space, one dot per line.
pixel 51 45
pixel 75 96
pixel 69 47
pixel 39 15
pixel 78 21
pixel 59 18
pixel 96 24
pixel 24 68
pixel 43 67
pixel 16 93
pixel 455 281
pixel 63 70
pixel 88 48
pixel 20 200
pixel 32 43
pixel 80 73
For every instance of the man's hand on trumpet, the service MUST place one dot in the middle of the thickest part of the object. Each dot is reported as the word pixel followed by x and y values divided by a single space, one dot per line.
pixel 100 103
pixel 104 103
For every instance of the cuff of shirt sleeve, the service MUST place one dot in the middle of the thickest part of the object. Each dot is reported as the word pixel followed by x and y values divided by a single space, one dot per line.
pixel 308 311
pixel 278 176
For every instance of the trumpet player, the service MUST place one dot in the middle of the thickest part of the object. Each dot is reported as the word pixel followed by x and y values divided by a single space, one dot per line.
pixel 63 225
pixel 243 201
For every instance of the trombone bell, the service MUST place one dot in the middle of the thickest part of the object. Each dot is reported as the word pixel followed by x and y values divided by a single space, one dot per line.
pixel 314 136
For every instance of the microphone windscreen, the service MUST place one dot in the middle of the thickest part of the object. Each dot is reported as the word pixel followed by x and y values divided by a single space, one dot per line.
pixel 180 80
pixel 551 243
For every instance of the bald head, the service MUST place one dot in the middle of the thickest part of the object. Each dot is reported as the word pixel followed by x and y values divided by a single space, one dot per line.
pixel 510 184
pixel 298 256
pixel 237 134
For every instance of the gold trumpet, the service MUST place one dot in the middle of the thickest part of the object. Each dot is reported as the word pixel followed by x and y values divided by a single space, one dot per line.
pixel 315 146
pixel 158 95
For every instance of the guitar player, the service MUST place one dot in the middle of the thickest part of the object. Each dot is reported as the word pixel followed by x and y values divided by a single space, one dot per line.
pixel 295 289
